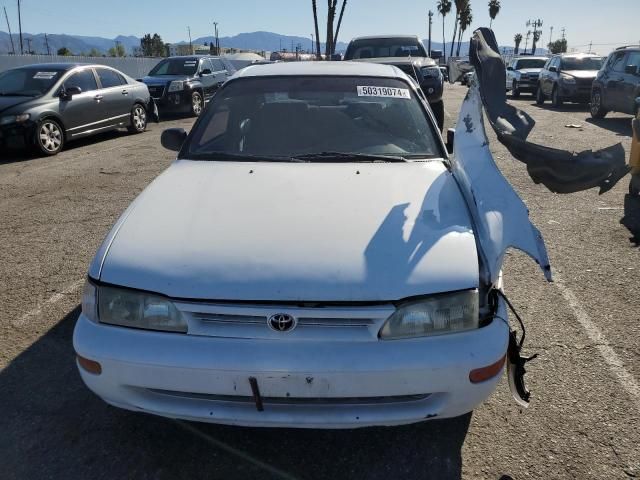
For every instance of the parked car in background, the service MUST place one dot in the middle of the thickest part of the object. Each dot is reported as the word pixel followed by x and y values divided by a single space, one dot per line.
pixel 43 106
pixel 409 55
pixel 249 310
pixel 445 72
pixel 617 85
pixel 568 78
pixel 186 84
pixel 522 75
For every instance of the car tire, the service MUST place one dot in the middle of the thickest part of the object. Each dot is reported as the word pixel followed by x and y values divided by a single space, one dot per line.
pixel 515 93
pixel 49 137
pixel 138 119
pixel 556 100
pixel 197 104
pixel 595 108
pixel 539 96
pixel 438 111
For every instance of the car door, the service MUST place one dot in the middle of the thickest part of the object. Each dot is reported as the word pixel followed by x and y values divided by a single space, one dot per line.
pixel 510 73
pixel 220 71
pixel 81 112
pixel 207 78
pixel 629 85
pixel 552 76
pixel 115 92
pixel 612 80
pixel 544 75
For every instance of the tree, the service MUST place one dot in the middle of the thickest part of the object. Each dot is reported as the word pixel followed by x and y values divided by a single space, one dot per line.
pixel 331 15
pixel 444 8
pixel 152 46
pixel 315 21
pixel 536 37
pixel 466 18
pixel 494 9
pixel 64 52
pixel 460 4
pixel 517 39
pixel 559 46
pixel 335 37
pixel 94 52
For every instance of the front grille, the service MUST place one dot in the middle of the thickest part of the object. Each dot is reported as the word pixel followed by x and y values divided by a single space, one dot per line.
pixel 296 400
pixel 584 82
pixel 311 323
pixel 156 91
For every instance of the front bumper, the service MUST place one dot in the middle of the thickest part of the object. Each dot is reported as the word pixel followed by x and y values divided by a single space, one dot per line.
pixel 307 384
pixel 17 136
pixel 432 88
pixel 529 84
pixel 580 93
pixel 175 101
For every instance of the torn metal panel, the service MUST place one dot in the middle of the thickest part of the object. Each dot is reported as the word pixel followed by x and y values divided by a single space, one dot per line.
pixel 500 217
pixel 561 171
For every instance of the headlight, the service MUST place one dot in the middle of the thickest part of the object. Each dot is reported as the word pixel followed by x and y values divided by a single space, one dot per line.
pixel 176 86
pixel 14 119
pixel 430 72
pixel 440 314
pixel 567 78
pixel 129 308
pixel 89 304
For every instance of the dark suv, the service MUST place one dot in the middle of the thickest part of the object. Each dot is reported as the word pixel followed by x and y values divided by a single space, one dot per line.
pixel 617 85
pixel 568 78
pixel 186 84
pixel 409 55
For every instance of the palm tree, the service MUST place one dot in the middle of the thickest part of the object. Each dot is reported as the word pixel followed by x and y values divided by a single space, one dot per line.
pixel 466 18
pixel 331 15
pixel 517 39
pixel 536 38
pixel 444 8
pixel 315 20
pixel 494 9
pixel 460 4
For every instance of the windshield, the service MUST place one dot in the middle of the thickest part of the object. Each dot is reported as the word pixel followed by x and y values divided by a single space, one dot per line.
pixel 581 63
pixel 531 63
pixel 314 118
pixel 28 82
pixel 385 47
pixel 175 66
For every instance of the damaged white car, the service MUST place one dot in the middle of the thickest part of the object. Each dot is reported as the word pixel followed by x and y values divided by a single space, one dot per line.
pixel 313 258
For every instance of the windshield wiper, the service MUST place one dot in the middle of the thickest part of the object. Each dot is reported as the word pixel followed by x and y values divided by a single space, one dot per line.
pixel 346 157
pixel 241 157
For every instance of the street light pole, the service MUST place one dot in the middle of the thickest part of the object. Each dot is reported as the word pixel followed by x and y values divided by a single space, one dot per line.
pixel 430 23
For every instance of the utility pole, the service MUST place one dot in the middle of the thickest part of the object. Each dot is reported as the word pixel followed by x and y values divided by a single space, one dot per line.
pixel 430 23
pixel 46 40
pixel 535 24
pixel 13 48
pixel 20 29
pixel 311 51
pixel 526 42
pixel 215 32
pixel 29 51
pixel 563 32
pixel 590 45
pixel 190 44
pixel 550 35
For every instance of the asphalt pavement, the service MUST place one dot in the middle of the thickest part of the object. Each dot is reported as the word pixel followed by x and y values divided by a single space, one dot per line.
pixel 584 418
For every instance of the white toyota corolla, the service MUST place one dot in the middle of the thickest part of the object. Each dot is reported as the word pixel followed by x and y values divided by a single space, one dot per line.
pixel 313 258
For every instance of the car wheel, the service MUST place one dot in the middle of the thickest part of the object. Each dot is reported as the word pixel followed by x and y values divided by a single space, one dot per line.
pixel 438 111
pixel 515 93
pixel 596 109
pixel 539 96
pixel 196 104
pixel 556 101
pixel 138 119
pixel 49 137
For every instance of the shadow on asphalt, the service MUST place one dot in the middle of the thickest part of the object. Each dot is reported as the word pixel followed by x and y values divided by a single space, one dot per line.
pixel 631 218
pixel 565 108
pixel 54 427
pixel 619 126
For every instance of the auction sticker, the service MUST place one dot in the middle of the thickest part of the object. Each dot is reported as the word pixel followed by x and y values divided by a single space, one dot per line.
pixel 387 92
pixel 45 75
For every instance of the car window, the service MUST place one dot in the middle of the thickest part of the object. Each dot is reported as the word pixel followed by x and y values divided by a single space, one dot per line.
pixel 617 62
pixel 530 63
pixel 582 63
pixel 83 79
pixel 110 78
pixel 294 116
pixel 218 66
pixel 205 64
pixel 28 81
pixel 634 59
pixel 385 47
pixel 175 66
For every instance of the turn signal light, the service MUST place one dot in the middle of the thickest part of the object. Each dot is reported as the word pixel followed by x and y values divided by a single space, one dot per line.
pixel 90 366
pixel 485 373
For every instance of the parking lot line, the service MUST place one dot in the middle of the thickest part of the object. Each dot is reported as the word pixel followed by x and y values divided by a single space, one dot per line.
pixel 36 312
pixel 611 358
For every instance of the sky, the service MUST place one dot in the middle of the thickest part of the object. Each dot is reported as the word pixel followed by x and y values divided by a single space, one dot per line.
pixel 605 23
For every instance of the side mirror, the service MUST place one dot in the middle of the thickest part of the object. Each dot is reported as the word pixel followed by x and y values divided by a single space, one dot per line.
pixel 173 138
pixel 510 69
pixel 68 93
pixel 631 69
pixel 451 134
pixel 206 71
pixel 553 69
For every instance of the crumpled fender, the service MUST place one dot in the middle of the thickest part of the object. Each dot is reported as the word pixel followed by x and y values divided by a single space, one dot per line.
pixel 561 171
pixel 500 217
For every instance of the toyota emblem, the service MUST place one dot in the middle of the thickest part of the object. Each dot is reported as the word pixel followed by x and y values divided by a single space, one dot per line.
pixel 282 322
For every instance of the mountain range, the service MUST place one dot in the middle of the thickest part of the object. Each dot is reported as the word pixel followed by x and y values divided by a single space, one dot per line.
pixel 259 41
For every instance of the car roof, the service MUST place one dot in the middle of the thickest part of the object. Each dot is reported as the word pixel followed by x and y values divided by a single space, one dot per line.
pixel 192 57
pixel 373 37
pixel 537 57
pixel 346 69
pixel 579 55
pixel 56 66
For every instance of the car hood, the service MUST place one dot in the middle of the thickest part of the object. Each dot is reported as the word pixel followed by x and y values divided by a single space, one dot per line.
pixel 164 79
pixel 581 73
pixel 294 232
pixel 7 102
pixel 418 61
